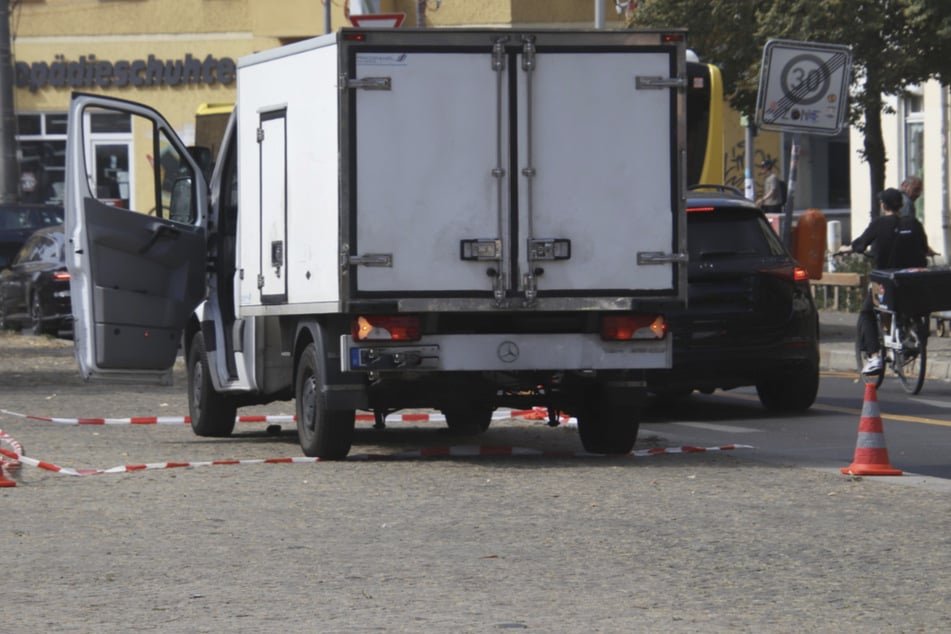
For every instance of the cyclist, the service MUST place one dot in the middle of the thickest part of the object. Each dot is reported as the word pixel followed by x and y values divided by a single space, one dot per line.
pixel 897 242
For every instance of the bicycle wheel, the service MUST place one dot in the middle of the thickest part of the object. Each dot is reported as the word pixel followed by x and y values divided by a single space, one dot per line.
pixel 861 357
pixel 912 360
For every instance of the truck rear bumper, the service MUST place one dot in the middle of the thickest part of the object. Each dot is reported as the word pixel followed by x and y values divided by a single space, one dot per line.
pixel 504 352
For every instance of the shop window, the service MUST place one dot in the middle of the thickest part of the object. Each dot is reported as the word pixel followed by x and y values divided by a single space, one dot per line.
pixel 41 154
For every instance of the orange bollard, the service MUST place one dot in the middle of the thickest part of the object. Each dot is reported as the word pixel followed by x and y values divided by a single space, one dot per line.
pixel 871 455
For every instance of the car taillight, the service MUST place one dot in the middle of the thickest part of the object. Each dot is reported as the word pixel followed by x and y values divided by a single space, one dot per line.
pixel 385 328
pixel 629 327
pixel 791 273
pixel 61 276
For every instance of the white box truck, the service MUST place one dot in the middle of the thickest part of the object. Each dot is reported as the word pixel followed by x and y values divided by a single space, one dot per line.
pixel 452 219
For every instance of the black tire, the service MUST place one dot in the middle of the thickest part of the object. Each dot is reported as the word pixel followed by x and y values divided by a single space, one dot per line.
pixel 468 421
pixel 323 433
pixel 608 423
pixel 911 362
pixel 37 324
pixel 793 390
pixel 6 324
pixel 212 414
pixel 861 357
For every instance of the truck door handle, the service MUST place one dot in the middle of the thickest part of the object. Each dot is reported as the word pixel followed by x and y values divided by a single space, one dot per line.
pixel 158 229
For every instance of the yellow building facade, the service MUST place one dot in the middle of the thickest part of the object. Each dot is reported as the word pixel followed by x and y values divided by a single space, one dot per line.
pixel 176 55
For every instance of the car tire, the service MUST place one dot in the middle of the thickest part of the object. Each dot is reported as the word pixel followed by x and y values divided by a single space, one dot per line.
pixel 468 421
pixel 212 414
pixel 6 324
pixel 793 390
pixel 37 323
pixel 323 433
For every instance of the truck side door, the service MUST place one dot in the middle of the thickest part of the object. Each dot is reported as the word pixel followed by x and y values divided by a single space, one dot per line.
pixel 137 273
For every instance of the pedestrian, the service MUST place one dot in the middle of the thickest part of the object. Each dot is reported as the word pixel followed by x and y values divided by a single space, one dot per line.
pixel 772 199
pixel 897 242
pixel 911 189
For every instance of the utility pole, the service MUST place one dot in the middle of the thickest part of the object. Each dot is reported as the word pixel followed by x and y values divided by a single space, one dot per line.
pixel 8 151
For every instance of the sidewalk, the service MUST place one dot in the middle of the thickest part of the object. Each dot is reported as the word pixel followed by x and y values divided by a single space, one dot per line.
pixel 837 345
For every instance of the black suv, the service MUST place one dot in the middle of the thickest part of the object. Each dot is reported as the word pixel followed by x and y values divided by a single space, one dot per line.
pixel 750 318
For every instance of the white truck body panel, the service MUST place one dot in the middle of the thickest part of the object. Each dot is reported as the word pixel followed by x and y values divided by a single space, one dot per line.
pixel 295 104
pixel 456 149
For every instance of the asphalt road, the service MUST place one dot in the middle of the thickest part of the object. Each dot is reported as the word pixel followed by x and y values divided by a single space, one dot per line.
pixel 713 541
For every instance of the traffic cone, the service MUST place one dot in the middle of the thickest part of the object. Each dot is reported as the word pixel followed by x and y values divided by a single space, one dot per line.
pixel 871 455
pixel 4 481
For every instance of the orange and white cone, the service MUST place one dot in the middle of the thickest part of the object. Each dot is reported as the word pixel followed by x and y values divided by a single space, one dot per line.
pixel 871 455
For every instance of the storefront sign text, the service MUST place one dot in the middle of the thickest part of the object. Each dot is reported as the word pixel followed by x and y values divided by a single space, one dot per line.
pixel 89 71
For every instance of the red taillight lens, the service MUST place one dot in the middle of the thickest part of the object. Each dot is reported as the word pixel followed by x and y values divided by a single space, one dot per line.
pixel 692 210
pixel 385 328
pixel 61 276
pixel 792 273
pixel 630 327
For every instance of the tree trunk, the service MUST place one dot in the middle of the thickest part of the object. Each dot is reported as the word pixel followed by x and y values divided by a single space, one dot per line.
pixel 874 142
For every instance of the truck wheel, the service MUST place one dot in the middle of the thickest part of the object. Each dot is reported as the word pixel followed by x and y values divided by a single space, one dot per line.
pixel 212 414
pixel 608 423
pixel 323 433
pixel 468 421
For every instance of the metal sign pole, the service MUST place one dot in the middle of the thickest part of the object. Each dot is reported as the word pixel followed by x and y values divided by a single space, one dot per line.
pixel 791 190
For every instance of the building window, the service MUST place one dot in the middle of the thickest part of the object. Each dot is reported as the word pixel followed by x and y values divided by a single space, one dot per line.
pixel 914 140
pixel 41 153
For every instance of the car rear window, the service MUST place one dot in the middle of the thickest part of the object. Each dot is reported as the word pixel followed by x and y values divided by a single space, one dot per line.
pixel 725 232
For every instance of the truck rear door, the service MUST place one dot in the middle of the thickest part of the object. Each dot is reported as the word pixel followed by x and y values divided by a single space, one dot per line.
pixel 538 168
pixel 137 273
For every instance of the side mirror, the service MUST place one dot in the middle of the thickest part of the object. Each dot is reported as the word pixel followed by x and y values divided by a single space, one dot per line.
pixel 180 205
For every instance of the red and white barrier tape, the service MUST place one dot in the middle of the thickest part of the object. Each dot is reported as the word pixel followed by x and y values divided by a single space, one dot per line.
pixel 536 413
pixel 462 451
pixel 11 466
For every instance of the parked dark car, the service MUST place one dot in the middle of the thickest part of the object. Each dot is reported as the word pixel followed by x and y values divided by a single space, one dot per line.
pixel 34 289
pixel 750 319
pixel 19 221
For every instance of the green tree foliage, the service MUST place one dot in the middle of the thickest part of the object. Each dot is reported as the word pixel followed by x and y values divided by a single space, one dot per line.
pixel 895 44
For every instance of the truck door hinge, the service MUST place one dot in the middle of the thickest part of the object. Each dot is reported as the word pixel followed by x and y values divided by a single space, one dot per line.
pixel 528 52
pixel 654 257
pixel 260 135
pixel 384 260
pixel 369 83
pixel 529 283
pixel 498 53
pixel 659 83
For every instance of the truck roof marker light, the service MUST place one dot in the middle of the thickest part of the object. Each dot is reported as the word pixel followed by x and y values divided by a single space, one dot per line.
pixel 355 37
pixel 385 328
pixel 633 327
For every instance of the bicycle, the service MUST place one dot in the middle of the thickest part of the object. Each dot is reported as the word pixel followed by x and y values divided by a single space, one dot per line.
pixel 902 343
pixel 903 346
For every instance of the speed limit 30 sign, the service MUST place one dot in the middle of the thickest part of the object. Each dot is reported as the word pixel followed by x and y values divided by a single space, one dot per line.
pixel 803 87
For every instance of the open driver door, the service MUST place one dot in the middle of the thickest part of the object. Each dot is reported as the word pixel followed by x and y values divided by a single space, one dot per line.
pixel 137 272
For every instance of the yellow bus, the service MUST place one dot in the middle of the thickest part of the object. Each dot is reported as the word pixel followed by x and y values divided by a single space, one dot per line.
pixel 704 124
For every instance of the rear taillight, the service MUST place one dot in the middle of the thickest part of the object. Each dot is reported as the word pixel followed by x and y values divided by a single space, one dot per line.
pixel 385 328
pixel 791 273
pixel 61 276
pixel 630 327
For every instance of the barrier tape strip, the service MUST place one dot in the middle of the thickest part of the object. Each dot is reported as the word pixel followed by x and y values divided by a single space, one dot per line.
pixel 11 466
pixel 461 451
pixel 536 413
